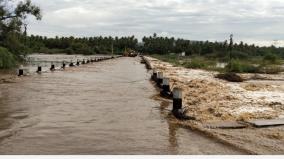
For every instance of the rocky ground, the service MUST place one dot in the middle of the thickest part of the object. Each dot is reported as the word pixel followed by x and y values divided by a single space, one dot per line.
pixel 211 100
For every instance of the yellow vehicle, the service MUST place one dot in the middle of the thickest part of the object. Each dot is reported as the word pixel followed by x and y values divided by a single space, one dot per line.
pixel 130 53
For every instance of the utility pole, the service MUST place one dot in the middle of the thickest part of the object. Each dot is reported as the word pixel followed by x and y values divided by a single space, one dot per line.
pixel 231 46
pixel 25 36
pixel 25 30
pixel 112 48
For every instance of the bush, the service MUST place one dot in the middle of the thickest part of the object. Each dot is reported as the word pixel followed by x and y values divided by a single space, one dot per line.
pixel 234 66
pixel 238 67
pixel 271 58
pixel 14 45
pixel 272 69
pixel 69 51
pixel 196 63
pixel 239 55
pixel 43 50
pixel 246 68
pixel 80 48
pixel 7 59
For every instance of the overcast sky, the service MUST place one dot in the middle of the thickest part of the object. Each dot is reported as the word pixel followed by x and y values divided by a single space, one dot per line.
pixel 252 21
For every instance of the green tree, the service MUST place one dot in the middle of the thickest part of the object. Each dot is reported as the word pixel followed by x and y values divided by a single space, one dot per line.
pixel 11 21
pixel 7 59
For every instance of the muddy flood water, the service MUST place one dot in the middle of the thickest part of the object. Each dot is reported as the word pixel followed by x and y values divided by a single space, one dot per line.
pixel 99 108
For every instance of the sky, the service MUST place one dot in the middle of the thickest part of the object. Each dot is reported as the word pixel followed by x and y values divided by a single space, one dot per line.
pixel 253 21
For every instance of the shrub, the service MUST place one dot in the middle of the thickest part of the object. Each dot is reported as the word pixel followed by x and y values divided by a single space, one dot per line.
pixel 196 63
pixel 272 69
pixel 238 67
pixel 69 51
pixel 271 58
pixel 7 59
pixel 239 55
pixel 234 66
pixel 247 68
pixel 43 50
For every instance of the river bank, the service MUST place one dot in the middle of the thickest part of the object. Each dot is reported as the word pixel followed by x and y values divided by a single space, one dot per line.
pixel 212 100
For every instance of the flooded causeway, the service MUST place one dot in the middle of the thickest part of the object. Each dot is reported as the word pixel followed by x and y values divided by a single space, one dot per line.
pixel 99 108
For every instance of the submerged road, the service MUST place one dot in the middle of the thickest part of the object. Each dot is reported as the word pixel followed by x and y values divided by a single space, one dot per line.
pixel 100 108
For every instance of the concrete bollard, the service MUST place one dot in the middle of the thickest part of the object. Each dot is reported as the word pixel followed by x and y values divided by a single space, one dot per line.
pixel 166 91
pixel 177 99
pixel 154 75
pixel 21 72
pixel 71 64
pixel 177 111
pixel 63 65
pixel 166 85
pixel 160 77
pixel 39 69
pixel 52 68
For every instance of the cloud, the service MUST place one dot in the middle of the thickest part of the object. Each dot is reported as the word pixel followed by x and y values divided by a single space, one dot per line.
pixel 253 21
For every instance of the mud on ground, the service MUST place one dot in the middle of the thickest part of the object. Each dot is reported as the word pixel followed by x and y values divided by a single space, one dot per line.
pixel 212 100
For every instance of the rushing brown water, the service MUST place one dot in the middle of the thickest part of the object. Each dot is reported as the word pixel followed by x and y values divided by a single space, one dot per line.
pixel 100 108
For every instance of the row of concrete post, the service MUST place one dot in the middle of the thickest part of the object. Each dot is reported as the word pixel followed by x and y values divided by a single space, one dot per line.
pixel 175 94
pixel 72 64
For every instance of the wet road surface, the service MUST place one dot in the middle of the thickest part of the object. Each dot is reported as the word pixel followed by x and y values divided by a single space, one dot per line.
pixel 100 108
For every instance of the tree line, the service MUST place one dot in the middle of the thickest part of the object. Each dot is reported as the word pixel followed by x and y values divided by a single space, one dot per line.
pixel 149 45
pixel 85 46
pixel 14 42
pixel 165 45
